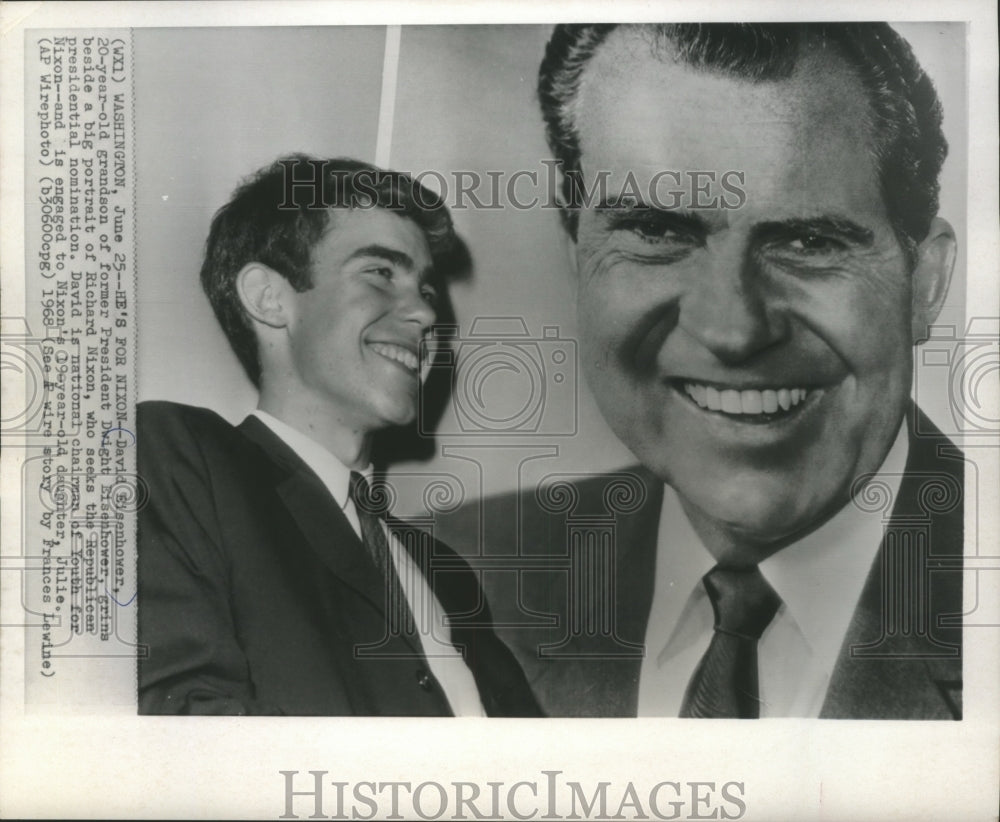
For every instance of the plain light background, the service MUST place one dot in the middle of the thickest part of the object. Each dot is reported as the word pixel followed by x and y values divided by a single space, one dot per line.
pixel 214 104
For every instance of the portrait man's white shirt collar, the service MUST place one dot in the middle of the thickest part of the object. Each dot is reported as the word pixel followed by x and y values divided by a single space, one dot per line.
pixel 819 579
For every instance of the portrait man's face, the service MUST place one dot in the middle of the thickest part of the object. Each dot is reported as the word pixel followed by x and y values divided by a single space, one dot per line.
pixel 756 358
pixel 355 335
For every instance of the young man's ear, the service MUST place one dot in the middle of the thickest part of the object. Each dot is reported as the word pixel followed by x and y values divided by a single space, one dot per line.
pixel 264 294
pixel 931 276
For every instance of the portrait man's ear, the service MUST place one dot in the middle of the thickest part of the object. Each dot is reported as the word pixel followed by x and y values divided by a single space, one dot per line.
pixel 262 291
pixel 570 247
pixel 931 276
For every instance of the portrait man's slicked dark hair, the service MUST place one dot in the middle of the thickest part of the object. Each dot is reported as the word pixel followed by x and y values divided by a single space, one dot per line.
pixel 908 143
pixel 261 224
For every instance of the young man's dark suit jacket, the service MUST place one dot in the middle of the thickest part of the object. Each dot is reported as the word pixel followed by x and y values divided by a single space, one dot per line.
pixel 900 672
pixel 254 590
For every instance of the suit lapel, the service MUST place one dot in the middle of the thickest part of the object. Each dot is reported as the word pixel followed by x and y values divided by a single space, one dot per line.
pixel 596 674
pixel 322 523
pixel 888 668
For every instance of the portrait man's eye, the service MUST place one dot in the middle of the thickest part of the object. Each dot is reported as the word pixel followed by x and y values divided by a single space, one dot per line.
pixel 808 250
pixel 816 243
pixel 820 242
pixel 656 232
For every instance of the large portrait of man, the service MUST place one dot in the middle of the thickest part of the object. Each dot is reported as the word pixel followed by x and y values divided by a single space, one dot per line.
pixel 756 251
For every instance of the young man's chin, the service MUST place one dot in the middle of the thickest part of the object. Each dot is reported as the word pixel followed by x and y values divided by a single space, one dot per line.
pixel 399 415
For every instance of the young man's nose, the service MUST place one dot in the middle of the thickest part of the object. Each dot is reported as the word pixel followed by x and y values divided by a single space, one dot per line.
pixel 413 307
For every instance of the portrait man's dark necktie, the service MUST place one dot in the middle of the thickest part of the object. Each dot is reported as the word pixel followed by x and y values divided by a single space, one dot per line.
pixel 371 508
pixel 725 683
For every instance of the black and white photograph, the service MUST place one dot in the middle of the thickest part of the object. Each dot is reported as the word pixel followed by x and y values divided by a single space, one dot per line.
pixel 373 376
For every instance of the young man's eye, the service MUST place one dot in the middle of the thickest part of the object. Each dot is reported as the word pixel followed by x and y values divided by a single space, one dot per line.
pixel 429 295
pixel 382 271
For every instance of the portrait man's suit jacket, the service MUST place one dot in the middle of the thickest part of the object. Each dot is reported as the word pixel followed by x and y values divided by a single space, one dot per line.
pixel 900 659
pixel 255 592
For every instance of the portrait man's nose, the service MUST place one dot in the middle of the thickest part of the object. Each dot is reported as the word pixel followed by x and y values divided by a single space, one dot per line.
pixel 729 307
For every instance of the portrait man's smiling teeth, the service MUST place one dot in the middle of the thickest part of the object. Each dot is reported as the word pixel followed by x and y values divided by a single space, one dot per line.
pixel 745 401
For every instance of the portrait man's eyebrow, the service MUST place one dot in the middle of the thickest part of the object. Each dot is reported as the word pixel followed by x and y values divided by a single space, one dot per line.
pixel 757 361
pixel 654 219
pixel 273 578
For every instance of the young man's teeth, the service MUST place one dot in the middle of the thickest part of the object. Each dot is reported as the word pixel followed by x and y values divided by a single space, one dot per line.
pixel 397 353
pixel 731 401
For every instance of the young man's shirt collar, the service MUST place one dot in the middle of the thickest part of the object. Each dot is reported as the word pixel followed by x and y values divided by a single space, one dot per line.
pixel 443 658
pixel 332 472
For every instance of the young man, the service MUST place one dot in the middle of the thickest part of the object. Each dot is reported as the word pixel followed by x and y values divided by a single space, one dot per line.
pixel 271 579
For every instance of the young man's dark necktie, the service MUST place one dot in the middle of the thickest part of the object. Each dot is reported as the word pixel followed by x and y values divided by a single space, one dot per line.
pixel 725 683
pixel 371 508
